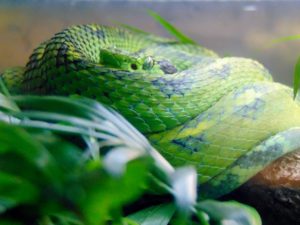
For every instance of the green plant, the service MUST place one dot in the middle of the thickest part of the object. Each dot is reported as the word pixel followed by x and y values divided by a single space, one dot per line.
pixel 82 163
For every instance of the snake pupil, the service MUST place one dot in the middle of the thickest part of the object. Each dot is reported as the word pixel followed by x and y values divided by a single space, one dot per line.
pixel 134 66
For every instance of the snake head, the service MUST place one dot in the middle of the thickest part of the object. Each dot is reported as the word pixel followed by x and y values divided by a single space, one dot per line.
pixel 135 63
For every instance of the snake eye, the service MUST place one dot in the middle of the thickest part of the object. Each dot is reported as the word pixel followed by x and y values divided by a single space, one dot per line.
pixel 133 66
pixel 149 63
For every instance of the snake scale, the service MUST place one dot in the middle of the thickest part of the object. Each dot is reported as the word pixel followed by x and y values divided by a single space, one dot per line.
pixel 225 116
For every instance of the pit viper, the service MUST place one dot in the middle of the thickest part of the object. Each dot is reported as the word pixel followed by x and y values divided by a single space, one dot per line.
pixel 223 115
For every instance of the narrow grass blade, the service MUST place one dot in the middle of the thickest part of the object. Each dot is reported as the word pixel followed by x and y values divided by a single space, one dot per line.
pixel 296 77
pixel 7 104
pixel 3 88
pixel 116 160
pixel 171 29
pixel 4 101
pixel 184 184
pixel 286 39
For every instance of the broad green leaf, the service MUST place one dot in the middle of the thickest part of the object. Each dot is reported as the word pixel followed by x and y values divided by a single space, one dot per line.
pixel 15 190
pixel 296 77
pixel 17 140
pixel 224 212
pixel 105 194
pixel 68 157
pixel 158 215
pixel 171 29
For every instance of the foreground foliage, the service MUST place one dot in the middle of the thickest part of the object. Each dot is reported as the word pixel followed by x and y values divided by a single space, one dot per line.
pixel 73 161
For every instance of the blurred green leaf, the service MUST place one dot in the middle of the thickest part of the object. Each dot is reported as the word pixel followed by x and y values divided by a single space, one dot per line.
pixel 286 39
pixel 61 218
pixel 171 29
pixel 158 215
pixel 202 217
pixel 127 221
pixel 17 140
pixel 224 212
pixel 14 190
pixel 116 160
pixel 102 195
pixel 45 147
pixel 6 104
pixel 184 188
pixel 296 77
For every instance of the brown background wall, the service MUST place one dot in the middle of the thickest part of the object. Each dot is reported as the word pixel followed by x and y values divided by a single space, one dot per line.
pixel 234 28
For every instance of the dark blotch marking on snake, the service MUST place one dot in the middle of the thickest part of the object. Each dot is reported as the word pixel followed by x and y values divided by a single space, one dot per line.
pixel 261 89
pixel 61 57
pixel 171 87
pixel 228 183
pixel 262 158
pixel 192 143
pixel 251 110
pixel 205 116
pixel 98 32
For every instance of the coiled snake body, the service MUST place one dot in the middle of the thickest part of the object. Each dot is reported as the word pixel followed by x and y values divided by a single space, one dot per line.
pixel 225 116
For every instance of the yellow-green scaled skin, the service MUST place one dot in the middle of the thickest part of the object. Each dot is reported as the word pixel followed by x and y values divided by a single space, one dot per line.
pixel 225 116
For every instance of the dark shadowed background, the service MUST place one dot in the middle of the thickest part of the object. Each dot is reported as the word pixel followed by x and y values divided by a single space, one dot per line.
pixel 237 28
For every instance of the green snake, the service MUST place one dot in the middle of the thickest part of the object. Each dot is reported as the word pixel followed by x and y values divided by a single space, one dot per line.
pixel 225 116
